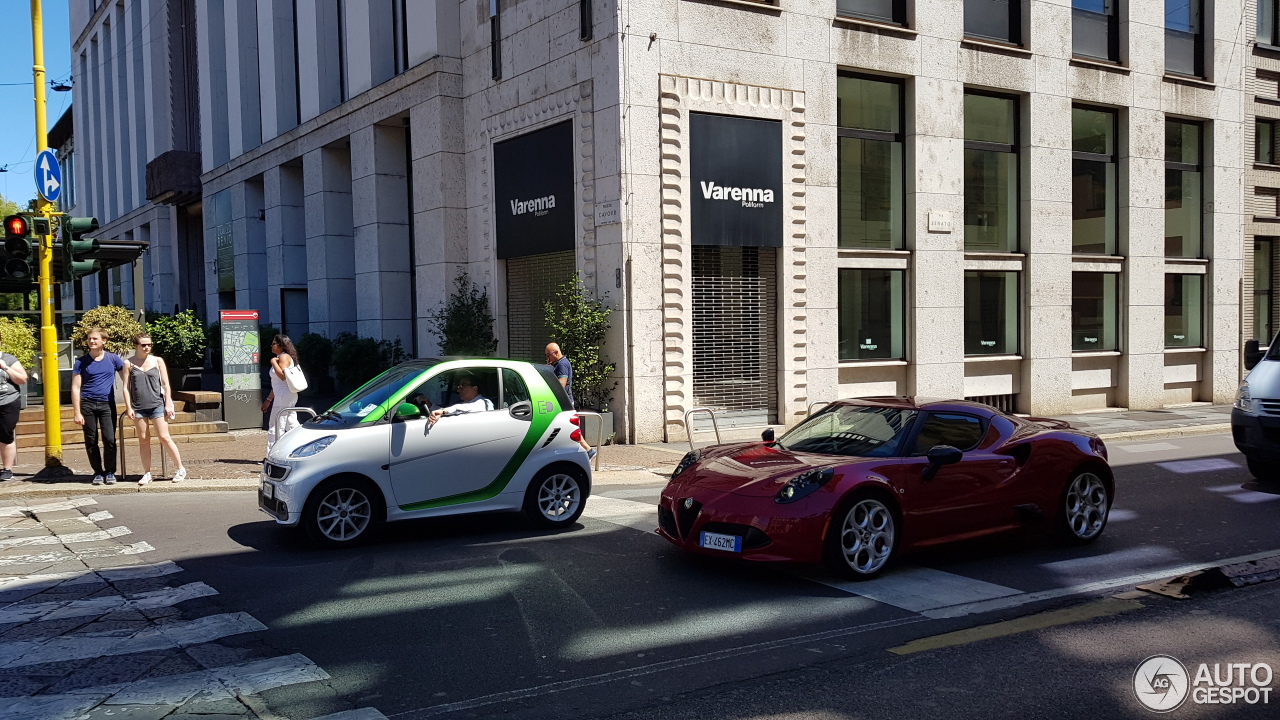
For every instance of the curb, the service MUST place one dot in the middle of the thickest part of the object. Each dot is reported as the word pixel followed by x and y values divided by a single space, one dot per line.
pixel 78 488
pixel 1156 433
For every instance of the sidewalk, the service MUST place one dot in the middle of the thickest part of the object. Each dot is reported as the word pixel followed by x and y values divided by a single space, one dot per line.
pixel 232 462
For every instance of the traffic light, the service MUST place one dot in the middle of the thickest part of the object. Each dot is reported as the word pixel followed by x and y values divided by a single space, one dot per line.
pixel 73 247
pixel 19 236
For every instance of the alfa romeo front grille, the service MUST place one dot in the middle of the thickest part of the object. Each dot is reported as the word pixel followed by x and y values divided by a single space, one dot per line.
pixel 686 516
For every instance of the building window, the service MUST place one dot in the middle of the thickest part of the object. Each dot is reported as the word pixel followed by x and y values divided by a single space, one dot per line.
pixel 1183 190
pixel 999 20
pixel 990 313
pixel 990 173
pixel 1265 142
pixel 894 11
pixel 1095 29
pixel 871 178
pixel 1184 37
pixel 1094 312
pixel 294 312
pixel 872 325
pixel 1267 21
pixel 400 35
pixel 1263 300
pixel 1093 181
pixel 495 40
pixel 1183 310
pixel 585 21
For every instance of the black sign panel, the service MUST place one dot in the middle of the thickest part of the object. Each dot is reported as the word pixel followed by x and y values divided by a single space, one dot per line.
pixel 735 167
pixel 533 186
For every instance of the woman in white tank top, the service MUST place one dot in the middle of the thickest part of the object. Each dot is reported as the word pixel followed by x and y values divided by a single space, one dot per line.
pixel 281 396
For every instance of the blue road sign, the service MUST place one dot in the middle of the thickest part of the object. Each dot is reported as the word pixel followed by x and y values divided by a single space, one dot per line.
pixel 48 176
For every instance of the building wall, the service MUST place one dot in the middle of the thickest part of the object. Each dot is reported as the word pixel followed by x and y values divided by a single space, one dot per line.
pixel 1262 180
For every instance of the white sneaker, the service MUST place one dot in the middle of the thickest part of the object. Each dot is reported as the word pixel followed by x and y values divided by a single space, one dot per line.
pixel 97 479
pixel 146 478
pixel 180 475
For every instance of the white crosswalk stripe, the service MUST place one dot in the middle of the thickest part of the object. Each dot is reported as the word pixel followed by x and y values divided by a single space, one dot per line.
pixel 87 607
pixel 628 513
pixel 90 536
pixel 21 510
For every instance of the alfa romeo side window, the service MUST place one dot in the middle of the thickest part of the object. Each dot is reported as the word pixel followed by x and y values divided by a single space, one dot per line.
pixel 963 432
pixel 513 388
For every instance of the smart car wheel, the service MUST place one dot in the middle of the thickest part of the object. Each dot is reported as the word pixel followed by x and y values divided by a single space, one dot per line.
pixel 342 511
pixel 1086 504
pixel 555 498
pixel 862 538
pixel 1266 472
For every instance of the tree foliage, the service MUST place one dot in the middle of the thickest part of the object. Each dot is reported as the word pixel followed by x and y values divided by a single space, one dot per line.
pixel 356 360
pixel 118 322
pixel 18 338
pixel 463 322
pixel 179 339
pixel 578 323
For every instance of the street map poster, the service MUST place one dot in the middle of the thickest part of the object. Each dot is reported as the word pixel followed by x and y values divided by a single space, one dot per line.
pixel 241 371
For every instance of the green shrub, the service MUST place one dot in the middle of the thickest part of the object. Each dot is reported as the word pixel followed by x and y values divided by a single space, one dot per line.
pixel 578 323
pixel 179 339
pixel 315 355
pixel 266 333
pixel 356 360
pixel 118 322
pixel 18 338
pixel 463 322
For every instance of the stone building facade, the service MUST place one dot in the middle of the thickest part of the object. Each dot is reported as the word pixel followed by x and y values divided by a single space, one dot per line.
pixel 1261 277
pixel 1038 203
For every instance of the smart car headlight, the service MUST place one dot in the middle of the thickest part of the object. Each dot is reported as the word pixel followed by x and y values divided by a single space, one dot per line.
pixel 685 463
pixel 803 485
pixel 314 447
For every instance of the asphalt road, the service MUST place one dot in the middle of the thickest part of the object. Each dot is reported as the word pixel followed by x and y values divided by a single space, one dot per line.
pixel 485 617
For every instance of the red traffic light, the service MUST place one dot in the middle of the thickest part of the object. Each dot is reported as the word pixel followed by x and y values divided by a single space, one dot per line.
pixel 16 225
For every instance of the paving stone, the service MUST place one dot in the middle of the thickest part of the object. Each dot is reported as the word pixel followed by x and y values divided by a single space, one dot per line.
pixel 112 561
pixel 24 685
pixel 116 628
pixel 245 714
pixel 176 663
pixel 202 704
pixel 124 616
pixel 43 629
pixel 212 655
pixel 51 669
pixel 155 614
pixel 128 712
pixel 110 670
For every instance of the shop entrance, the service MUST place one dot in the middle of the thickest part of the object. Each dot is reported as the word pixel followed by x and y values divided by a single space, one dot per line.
pixel 532 281
pixel 735 345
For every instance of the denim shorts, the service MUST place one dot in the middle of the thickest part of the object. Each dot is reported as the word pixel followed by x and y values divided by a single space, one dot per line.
pixel 155 413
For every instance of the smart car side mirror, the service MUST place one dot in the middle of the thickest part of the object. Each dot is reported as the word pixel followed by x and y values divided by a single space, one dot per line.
pixel 940 455
pixel 767 435
pixel 407 411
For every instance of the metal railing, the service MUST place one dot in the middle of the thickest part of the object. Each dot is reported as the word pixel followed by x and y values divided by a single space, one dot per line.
pixel 816 403
pixel 287 412
pixel 124 457
pixel 688 427
pixel 599 433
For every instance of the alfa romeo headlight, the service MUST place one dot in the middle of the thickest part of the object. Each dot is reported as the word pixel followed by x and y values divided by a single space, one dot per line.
pixel 314 447
pixel 685 463
pixel 803 485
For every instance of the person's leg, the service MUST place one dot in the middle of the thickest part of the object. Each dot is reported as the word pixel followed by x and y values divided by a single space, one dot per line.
pixel 276 407
pixel 87 409
pixel 8 454
pixel 9 415
pixel 107 422
pixel 162 432
pixel 144 443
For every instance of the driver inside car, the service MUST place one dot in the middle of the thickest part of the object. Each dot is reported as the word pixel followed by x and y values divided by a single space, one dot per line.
pixel 470 400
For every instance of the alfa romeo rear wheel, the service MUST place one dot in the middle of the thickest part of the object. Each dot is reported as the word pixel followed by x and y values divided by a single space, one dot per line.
pixel 1086 505
pixel 556 498
pixel 862 539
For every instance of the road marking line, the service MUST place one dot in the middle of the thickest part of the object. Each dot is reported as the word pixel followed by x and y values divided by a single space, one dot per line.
pixel 1241 495
pixel 357 714
pixel 919 588
pixel 21 510
pixel 1079 613
pixel 137 572
pixel 159 637
pixel 1147 447
pixel 1085 588
pixel 59 610
pixel 641 516
pixel 98 516
pixel 113 550
pixel 1187 467
pixel 254 676
pixel 91 536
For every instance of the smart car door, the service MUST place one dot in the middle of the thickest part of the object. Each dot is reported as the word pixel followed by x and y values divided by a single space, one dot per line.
pixel 960 499
pixel 460 457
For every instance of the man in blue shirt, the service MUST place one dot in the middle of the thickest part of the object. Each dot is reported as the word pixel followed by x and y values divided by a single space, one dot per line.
pixel 93 397
pixel 563 369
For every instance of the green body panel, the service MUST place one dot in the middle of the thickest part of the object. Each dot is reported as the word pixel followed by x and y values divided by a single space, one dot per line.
pixel 545 410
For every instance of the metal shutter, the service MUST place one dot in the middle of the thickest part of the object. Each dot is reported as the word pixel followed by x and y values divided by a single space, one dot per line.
pixel 531 282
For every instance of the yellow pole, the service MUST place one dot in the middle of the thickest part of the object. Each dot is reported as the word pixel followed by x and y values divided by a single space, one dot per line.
pixel 48 335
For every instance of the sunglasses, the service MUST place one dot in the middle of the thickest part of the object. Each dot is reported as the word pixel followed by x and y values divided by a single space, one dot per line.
pixel 144 344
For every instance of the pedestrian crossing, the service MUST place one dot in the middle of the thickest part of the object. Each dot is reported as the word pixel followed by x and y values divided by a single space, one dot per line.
pixel 71 595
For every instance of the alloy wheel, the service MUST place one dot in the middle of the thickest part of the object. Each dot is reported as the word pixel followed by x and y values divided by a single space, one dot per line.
pixel 343 514
pixel 867 536
pixel 559 496
pixel 1087 505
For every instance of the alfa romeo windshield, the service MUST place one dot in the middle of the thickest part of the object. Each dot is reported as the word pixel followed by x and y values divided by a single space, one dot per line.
pixel 855 430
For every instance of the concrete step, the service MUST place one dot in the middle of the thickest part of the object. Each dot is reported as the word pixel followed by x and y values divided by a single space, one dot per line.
pixel 76 437
pixel 35 413
pixel 69 424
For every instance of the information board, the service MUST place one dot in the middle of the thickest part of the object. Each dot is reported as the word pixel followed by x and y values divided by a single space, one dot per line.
pixel 241 369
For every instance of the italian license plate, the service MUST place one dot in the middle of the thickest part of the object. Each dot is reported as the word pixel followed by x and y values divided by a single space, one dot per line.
pixel 716 541
pixel 268 490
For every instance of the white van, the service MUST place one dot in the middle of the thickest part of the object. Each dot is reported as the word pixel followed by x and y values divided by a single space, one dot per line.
pixel 1255 419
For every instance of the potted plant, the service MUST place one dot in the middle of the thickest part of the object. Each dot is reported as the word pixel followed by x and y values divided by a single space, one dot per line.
pixel 180 340
pixel 463 322
pixel 578 323
pixel 118 322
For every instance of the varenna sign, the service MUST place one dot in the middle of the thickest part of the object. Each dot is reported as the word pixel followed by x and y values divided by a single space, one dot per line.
pixel 735 165
pixel 533 187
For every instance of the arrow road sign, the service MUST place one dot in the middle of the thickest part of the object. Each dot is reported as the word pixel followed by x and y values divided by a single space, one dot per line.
pixel 48 176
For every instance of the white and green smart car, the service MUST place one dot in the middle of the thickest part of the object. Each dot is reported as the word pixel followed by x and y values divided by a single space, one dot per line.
pixel 376 457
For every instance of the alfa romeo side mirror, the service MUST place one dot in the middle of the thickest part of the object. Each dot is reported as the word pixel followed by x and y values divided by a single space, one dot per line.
pixel 940 455
pixel 767 435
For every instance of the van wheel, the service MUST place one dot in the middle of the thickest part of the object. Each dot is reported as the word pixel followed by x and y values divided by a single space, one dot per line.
pixel 343 511
pixel 1266 472
pixel 556 498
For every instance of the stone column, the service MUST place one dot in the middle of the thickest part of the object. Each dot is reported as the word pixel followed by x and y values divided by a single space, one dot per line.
pixel 319 81
pixel 249 229
pixel 331 284
pixel 211 58
pixel 380 204
pixel 1142 296
pixel 277 79
pixel 286 240
pixel 244 127
pixel 370 48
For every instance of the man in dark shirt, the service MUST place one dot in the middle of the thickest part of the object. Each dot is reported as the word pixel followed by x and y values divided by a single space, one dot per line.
pixel 93 397
pixel 563 369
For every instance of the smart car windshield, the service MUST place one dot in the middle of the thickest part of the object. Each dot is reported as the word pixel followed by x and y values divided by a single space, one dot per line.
pixel 362 404
pixel 856 430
